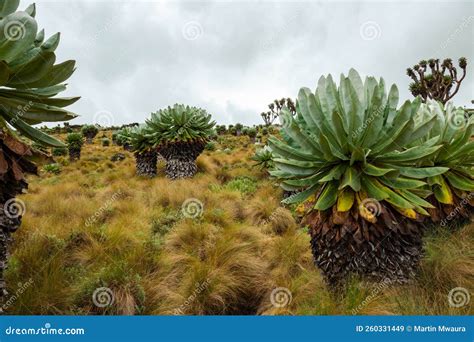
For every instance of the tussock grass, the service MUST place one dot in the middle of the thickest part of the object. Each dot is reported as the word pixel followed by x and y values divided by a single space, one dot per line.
pixel 98 225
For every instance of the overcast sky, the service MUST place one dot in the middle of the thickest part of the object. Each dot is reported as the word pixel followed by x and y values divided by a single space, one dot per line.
pixel 233 58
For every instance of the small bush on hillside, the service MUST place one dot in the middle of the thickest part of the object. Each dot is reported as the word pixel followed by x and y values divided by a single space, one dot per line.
pixel 210 146
pixel 245 185
pixel 113 281
pixel 59 151
pixel 75 140
pixel 89 131
pixel 162 225
pixel 52 168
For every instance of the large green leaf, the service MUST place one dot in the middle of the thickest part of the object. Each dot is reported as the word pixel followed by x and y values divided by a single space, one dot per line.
pixel 416 200
pixel 351 178
pixel 402 183
pixel 420 172
pixel 286 151
pixel 32 133
pixel 374 189
pixel 17 33
pixel 301 196
pixel 373 170
pixel 328 196
pixel 8 6
pixel 459 181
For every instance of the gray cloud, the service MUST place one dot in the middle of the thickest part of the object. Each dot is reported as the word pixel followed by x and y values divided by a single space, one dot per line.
pixel 234 58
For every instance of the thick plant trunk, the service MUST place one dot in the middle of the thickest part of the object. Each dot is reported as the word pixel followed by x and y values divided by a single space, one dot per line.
pixel 89 138
pixel 12 183
pixel 452 216
pixel 180 168
pixel 345 245
pixel 10 221
pixel 181 158
pixel 146 163
pixel 74 154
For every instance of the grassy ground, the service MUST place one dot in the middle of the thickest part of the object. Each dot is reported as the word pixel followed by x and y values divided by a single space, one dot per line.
pixel 98 225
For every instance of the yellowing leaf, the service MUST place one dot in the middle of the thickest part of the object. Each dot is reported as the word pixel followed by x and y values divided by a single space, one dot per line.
pixel 410 213
pixel 345 200
pixel 443 193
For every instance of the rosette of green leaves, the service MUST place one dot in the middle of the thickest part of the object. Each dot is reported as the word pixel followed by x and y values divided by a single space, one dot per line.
pixel 180 123
pixel 453 130
pixel 29 75
pixel 351 141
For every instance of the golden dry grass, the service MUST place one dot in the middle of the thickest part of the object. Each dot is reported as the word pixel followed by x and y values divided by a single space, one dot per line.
pixel 97 225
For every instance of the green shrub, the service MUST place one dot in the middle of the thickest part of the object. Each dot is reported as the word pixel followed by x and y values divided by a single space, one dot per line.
pixel 245 185
pixel 59 151
pixel 221 129
pixel 89 131
pixel 252 132
pixel 163 224
pixel 210 146
pixel 264 158
pixel 75 140
pixel 52 168
pixel 105 142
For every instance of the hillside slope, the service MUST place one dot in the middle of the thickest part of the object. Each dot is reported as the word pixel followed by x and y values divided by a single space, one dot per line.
pixel 230 249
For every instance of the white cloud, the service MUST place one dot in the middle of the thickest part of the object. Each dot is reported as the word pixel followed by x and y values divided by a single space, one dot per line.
pixel 133 59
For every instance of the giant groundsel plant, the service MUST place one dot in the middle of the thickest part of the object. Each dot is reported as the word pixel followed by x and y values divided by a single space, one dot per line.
pixel 29 80
pixel 180 134
pixel 350 153
pixel 452 191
